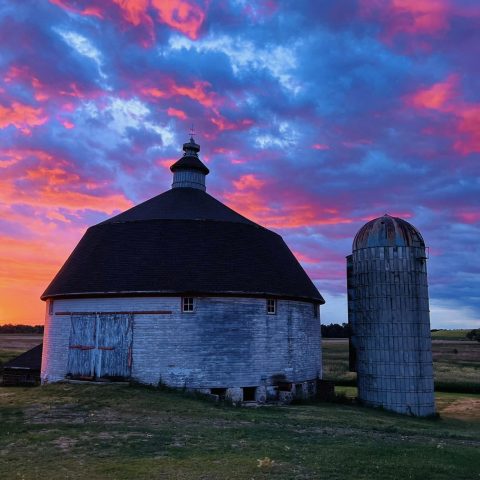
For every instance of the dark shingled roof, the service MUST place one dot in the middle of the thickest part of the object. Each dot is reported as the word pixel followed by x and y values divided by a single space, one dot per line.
pixel 182 242
pixel 388 231
pixel 32 359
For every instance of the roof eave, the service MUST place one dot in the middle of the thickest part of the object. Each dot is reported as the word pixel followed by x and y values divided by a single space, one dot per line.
pixel 141 293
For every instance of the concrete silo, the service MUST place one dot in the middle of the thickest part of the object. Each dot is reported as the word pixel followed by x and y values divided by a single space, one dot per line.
pixel 389 317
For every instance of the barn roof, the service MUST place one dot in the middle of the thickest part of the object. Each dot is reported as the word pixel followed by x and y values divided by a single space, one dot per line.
pixel 182 241
pixel 31 360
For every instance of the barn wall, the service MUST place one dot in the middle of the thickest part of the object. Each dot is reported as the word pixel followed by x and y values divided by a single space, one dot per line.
pixel 225 342
pixel 55 347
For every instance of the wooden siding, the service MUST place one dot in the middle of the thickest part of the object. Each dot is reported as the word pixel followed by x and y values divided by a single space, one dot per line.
pixel 226 342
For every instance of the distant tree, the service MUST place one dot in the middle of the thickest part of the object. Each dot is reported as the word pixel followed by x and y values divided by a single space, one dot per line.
pixel 334 330
pixel 474 334
pixel 10 328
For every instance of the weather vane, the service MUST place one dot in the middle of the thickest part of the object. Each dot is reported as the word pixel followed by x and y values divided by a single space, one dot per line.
pixel 192 131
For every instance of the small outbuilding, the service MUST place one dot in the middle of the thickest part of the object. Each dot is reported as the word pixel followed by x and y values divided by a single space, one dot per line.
pixel 183 291
pixel 24 369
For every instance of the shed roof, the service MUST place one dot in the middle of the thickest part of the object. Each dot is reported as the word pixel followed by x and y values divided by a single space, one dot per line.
pixel 31 359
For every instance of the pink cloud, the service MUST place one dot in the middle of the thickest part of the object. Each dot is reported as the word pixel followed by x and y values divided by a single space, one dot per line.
pixel 174 112
pixel 198 92
pixel 184 16
pixel 446 97
pixel 409 16
pixel 223 123
pixel 22 117
pixel 469 217
pixel 252 197
pixel 437 95
pixel 89 11
pixel 320 146
pixel 41 180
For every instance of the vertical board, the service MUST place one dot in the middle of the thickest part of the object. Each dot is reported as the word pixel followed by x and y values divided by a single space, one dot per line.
pixel 82 351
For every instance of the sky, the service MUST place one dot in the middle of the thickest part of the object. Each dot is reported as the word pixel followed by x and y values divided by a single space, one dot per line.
pixel 313 118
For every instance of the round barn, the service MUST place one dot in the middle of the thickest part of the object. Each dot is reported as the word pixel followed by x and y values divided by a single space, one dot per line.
pixel 183 291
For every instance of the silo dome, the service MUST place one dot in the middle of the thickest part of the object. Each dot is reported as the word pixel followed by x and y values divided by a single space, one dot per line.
pixel 388 231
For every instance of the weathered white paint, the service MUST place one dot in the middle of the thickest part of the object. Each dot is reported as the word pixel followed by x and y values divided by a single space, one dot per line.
pixel 225 343
pixel 389 316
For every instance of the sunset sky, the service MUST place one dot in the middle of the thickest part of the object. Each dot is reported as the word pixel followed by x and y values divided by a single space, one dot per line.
pixel 313 118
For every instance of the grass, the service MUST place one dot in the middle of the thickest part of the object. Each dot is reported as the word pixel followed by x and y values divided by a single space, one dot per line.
pixel 456 364
pixel 8 354
pixel 458 334
pixel 113 432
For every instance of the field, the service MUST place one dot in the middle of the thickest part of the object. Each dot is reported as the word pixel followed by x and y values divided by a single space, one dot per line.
pixel 459 335
pixel 114 432
pixel 131 432
pixel 12 345
pixel 456 364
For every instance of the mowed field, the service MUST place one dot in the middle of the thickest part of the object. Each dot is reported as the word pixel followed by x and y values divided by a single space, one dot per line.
pixel 131 432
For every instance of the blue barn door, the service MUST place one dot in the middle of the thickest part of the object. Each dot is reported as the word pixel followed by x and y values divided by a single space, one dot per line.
pixel 100 346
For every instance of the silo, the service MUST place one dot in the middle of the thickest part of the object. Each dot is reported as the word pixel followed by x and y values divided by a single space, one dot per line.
pixel 389 318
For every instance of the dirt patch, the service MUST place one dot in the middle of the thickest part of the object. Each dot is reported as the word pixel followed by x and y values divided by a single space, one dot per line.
pixel 463 408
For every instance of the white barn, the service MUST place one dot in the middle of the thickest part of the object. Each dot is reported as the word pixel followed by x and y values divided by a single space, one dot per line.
pixel 183 291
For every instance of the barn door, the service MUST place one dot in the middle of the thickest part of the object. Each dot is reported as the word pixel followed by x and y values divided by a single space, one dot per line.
pixel 100 345
pixel 114 345
pixel 82 351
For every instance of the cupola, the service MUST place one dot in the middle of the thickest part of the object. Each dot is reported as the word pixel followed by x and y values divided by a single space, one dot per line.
pixel 189 171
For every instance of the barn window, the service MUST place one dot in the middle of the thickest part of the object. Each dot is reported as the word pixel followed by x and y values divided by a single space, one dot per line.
pixel 50 307
pixel 271 306
pixel 187 304
pixel 315 310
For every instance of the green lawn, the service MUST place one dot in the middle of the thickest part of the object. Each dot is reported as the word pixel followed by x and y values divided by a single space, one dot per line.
pixel 114 432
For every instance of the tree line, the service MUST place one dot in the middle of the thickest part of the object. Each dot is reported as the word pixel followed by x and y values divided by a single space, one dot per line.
pixel 333 330
pixel 10 328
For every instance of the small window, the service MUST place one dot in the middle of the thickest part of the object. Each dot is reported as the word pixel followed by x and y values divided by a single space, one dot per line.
pixel 187 304
pixel 50 307
pixel 315 310
pixel 271 306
